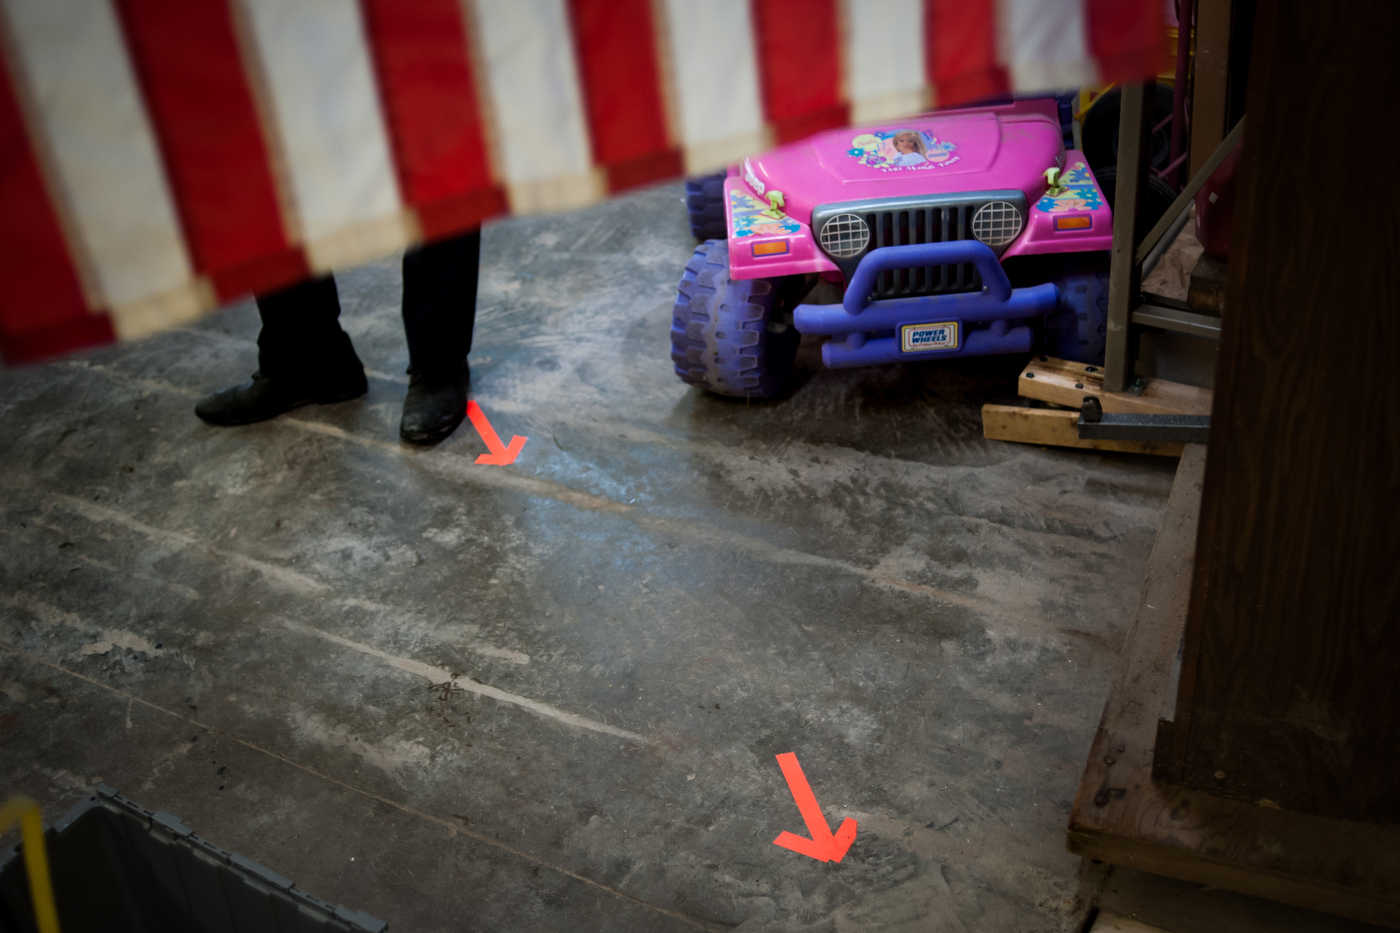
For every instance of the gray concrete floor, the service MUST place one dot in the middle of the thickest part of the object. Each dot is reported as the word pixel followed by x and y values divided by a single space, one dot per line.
pixel 548 696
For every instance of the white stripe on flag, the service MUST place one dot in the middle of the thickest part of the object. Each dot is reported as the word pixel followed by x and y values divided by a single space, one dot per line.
pixel 101 146
pixel 316 68
pixel 716 82
pixel 1044 44
pixel 885 55
pixel 541 132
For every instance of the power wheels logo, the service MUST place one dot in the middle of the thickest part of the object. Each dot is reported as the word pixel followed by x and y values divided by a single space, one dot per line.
pixel 916 338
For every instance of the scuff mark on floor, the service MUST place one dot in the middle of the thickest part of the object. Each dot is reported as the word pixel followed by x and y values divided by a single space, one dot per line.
pixel 440 675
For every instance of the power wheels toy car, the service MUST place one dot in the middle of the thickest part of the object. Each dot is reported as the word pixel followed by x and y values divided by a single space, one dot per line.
pixel 959 233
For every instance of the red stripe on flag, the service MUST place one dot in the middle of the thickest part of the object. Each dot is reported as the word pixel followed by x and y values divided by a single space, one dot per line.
pixel 216 159
pixel 798 45
pixel 960 49
pixel 643 170
pixel 1127 38
pixel 42 308
pixel 430 103
pixel 615 41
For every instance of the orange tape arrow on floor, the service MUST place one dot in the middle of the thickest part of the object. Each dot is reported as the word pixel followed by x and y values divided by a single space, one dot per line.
pixel 823 846
pixel 500 454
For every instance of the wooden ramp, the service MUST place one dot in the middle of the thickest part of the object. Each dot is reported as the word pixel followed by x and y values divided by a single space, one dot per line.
pixel 1062 383
pixel 1122 816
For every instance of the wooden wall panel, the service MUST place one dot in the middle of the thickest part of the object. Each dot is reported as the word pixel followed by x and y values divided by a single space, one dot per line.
pixel 1290 689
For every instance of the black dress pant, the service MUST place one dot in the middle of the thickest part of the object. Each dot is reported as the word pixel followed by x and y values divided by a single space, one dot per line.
pixel 301 338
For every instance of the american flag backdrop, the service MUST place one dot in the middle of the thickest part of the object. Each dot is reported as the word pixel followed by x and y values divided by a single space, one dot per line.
pixel 161 157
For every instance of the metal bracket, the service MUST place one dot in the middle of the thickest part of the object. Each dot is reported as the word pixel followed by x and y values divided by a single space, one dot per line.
pixel 1126 313
pixel 1183 322
pixel 1095 425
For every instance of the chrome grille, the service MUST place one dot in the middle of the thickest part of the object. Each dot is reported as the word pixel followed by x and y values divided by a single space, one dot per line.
pixel 845 235
pixel 997 223
pixel 923 225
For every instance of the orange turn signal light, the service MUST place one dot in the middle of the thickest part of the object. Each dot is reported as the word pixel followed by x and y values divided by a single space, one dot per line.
pixel 1073 223
pixel 771 248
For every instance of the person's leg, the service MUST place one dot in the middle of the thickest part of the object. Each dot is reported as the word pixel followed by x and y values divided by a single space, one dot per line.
pixel 301 342
pixel 303 357
pixel 439 312
pixel 439 303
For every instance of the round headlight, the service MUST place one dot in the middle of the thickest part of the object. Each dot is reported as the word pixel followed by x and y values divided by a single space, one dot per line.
pixel 997 223
pixel 845 235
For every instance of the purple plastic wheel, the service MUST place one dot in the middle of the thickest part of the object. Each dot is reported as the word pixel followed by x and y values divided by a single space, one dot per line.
pixel 704 205
pixel 1078 328
pixel 724 335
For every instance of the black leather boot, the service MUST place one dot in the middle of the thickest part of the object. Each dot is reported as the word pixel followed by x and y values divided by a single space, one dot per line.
pixel 436 403
pixel 262 398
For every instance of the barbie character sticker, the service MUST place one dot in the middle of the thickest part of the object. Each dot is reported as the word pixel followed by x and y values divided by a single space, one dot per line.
pixel 751 217
pixel 895 150
pixel 1075 192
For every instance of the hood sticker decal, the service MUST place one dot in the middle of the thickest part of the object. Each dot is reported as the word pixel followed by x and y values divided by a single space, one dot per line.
pixel 751 217
pixel 901 150
pixel 1077 193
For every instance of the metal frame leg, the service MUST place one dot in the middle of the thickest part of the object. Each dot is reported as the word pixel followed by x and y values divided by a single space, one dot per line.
pixel 1124 278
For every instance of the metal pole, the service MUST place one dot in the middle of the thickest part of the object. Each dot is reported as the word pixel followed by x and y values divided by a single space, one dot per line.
pixel 1124 279
pixel 1158 234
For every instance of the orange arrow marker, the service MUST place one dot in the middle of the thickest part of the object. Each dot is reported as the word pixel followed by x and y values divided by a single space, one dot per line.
pixel 500 454
pixel 823 846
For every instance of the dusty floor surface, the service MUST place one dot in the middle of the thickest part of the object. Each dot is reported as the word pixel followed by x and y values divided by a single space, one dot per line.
pixel 548 696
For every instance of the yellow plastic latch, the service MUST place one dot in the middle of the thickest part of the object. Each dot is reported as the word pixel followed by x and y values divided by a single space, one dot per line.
pixel 1052 178
pixel 775 205
pixel 25 812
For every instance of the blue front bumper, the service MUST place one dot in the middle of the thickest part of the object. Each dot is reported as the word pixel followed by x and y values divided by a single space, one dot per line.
pixel 866 332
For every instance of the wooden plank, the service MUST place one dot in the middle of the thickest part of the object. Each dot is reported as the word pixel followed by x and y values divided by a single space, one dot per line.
pixel 1211 79
pixel 1065 383
pixel 1206 292
pixel 1054 427
pixel 1120 815
pixel 1288 689
pixel 1109 922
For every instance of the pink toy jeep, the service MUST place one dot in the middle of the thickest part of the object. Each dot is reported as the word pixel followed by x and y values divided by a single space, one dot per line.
pixel 959 233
